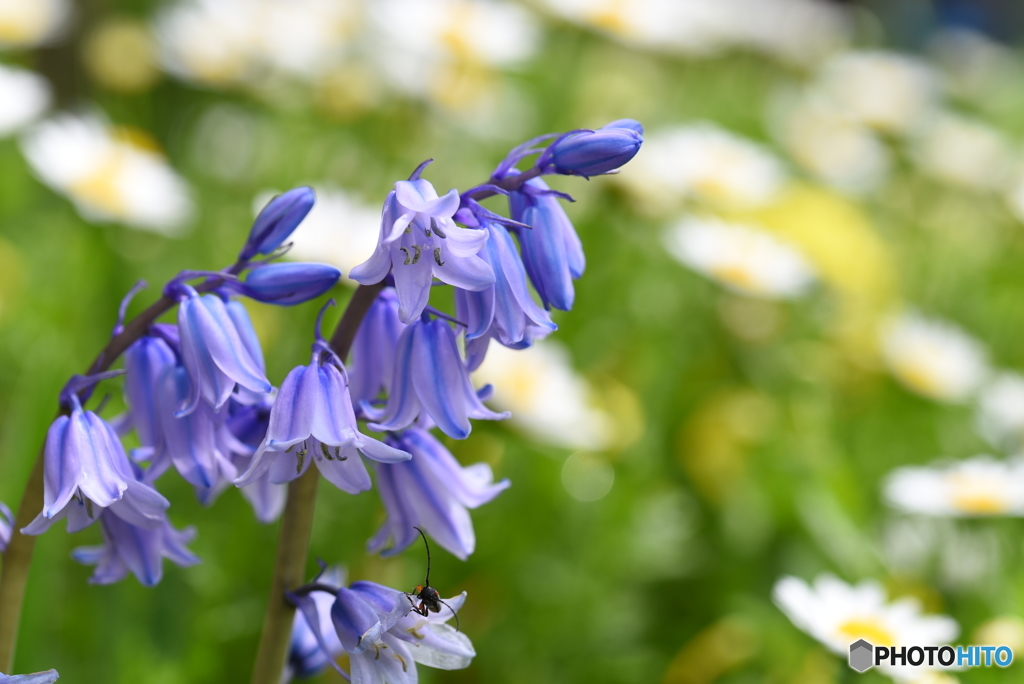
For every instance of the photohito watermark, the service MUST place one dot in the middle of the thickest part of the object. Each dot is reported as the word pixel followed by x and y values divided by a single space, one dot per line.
pixel 864 656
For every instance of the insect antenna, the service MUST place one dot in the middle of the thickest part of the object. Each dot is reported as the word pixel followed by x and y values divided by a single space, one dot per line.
pixel 426 582
pixel 457 625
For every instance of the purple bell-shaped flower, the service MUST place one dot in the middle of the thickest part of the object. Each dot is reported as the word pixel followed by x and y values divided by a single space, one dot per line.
pixel 373 350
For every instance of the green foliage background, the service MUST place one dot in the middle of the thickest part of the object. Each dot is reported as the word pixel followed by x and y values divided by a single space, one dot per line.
pixel 663 579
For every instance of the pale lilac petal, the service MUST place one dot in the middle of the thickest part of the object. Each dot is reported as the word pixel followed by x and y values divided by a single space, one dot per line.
pixel 345 471
pixel 380 452
pixel 412 284
pixel 475 309
pixel 469 273
pixel 403 406
pixel 334 421
pixel 374 269
pixel 291 418
pixel 464 242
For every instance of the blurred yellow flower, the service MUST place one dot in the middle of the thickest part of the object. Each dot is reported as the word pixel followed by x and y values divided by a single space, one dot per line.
pixel 120 54
pixel 977 487
pixel 110 174
pixel 933 358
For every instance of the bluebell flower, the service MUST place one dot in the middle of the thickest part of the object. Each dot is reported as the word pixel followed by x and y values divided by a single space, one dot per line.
pixel 277 221
pixel 219 350
pixel 127 548
pixel 313 421
pixel 591 153
pixel 306 658
pixel 248 424
pixel 47 677
pixel 145 361
pixel 506 309
pixel 373 349
pixel 418 241
pixel 431 490
pixel 6 526
pixel 198 444
pixel 285 284
pixel 430 378
pixel 552 252
pixel 384 639
pixel 85 471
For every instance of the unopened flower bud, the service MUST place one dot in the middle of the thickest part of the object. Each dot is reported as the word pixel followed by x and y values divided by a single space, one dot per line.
pixel 277 221
pixel 591 153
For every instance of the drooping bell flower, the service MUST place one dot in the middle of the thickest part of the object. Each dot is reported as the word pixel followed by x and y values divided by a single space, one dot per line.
pixel 196 444
pixel 552 252
pixel 86 471
pixel 277 221
pixel 127 548
pixel 313 421
pixel 285 284
pixel 248 424
pixel 383 637
pixel 432 491
pixel 430 378
pixel 218 349
pixel 418 241
pixel 591 153
pixel 506 309
pixel 305 656
pixel 145 361
pixel 373 349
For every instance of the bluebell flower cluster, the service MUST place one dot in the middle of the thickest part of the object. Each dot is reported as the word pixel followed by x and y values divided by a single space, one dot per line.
pixel 47 677
pixel 200 402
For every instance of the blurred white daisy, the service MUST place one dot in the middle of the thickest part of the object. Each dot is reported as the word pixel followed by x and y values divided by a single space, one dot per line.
pixel 706 163
pixel 546 396
pixel 743 258
pixel 838 614
pixel 965 152
pixel 304 37
pixel 447 50
pixel 791 30
pixel 24 96
pixel 341 230
pixel 933 358
pixel 980 486
pixel 110 173
pixel 1000 411
pixel 886 91
pixel 837 150
pixel 210 42
pixel 29 23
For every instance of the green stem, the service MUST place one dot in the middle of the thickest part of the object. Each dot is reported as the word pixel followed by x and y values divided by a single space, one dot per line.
pixel 297 525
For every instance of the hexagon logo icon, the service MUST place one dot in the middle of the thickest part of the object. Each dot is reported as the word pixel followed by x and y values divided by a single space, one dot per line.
pixel 861 655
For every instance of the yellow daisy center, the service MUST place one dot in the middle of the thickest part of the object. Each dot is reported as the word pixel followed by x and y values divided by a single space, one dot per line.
pixel 101 188
pixel 976 497
pixel 738 275
pixel 869 628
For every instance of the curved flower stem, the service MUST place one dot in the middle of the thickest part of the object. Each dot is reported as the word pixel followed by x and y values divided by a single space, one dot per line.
pixel 18 557
pixel 297 524
pixel 509 183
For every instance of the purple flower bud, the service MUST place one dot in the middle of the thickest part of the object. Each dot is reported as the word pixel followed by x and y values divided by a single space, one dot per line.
pixel 591 153
pixel 418 241
pixel 277 221
pixel 217 351
pixel 127 548
pixel 431 378
pixel 286 284
pixel 373 349
pixel 313 421
pixel 552 252
pixel 431 490
pixel 85 471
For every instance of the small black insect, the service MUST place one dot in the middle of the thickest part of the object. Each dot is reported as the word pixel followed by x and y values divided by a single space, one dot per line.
pixel 430 600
